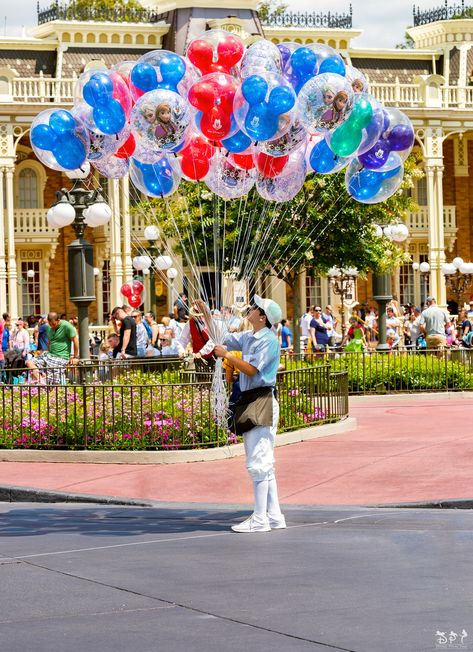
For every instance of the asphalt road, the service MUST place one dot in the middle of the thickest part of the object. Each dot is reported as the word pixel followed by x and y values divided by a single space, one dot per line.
pixel 174 578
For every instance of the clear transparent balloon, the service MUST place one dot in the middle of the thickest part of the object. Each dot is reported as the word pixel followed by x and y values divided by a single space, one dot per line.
pixel 358 81
pixel 227 180
pixel 294 138
pixel 321 159
pixel 112 167
pixel 264 106
pixel 159 179
pixel 360 129
pixel 59 139
pixel 323 102
pixel 160 118
pixel 372 186
pixel 161 69
pixel 262 56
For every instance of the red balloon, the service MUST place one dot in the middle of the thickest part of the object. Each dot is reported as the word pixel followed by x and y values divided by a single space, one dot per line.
pixel 127 149
pixel 135 301
pixel 137 287
pixel 194 168
pixel 199 147
pixel 214 98
pixel 126 290
pixel 243 161
pixel 230 51
pixel 271 166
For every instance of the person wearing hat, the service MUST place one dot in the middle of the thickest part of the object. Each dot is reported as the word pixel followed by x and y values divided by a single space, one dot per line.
pixel 20 340
pixel 196 334
pixel 258 368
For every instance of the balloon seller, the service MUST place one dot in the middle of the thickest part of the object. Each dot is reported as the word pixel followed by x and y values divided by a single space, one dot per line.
pixel 257 410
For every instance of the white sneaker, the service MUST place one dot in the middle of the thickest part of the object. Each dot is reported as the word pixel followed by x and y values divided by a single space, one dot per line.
pixel 252 524
pixel 278 523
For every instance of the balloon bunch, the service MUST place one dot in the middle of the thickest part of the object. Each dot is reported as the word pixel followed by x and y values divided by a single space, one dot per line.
pixel 232 117
pixel 134 293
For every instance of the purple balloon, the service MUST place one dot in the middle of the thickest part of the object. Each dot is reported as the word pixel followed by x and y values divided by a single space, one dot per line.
pixel 285 54
pixel 400 138
pixel 377 156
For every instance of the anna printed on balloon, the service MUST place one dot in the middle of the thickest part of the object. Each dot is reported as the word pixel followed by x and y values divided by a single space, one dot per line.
pixel 337 114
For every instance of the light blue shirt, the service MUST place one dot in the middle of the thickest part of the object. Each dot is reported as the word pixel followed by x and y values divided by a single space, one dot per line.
pixel 261 350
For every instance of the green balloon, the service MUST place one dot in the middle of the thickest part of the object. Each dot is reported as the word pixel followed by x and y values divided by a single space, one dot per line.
pixel 346 138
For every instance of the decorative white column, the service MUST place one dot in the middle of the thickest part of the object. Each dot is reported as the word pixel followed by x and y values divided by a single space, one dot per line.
pixel 125 211
pixel 116 266
pixel 12 269
pixel 3 268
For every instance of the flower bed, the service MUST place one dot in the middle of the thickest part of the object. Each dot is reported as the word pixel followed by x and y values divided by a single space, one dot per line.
pixel 137 416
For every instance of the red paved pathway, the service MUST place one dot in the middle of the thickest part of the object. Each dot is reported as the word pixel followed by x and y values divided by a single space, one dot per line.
pixel 406 448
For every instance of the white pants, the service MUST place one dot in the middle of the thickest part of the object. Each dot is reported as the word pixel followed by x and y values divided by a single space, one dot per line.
pixel 259 448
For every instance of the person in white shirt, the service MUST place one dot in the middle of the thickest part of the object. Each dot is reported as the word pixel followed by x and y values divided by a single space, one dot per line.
pixel 305 330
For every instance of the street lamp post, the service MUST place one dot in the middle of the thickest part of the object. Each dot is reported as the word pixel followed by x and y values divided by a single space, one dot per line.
pixel 343 281
pixel 458 277
pixel 80 207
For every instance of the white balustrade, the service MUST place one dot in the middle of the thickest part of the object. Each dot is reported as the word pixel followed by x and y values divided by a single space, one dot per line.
pixel 47 90
pixel 32 222
pixel 418 222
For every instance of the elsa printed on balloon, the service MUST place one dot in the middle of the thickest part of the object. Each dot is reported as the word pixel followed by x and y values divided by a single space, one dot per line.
pixel 161 119
pixel 324 102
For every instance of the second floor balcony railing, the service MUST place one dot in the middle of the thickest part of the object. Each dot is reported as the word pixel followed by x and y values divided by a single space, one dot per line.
pixel 418 222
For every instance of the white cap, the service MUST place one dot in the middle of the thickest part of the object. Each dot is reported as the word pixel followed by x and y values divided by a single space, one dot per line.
pixel 270 308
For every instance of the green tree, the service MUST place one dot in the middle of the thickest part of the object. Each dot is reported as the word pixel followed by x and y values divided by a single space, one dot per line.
pixel 407 44
pixel 269 8
pixel 122 10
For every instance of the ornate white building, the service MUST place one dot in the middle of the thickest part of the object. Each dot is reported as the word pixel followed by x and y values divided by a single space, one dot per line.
pixel 432 83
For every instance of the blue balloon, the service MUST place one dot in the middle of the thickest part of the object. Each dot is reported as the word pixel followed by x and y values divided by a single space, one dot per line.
pixel 59 137
pixel 262 119
pixel 304 65
pixel 107 113
pixel 322 159
pixel 366 183
pixel 144 77
pixel 157 177
pixel 237 143
pixel 285 53
pixel 43 137
pixel 332 64
pixel 172 69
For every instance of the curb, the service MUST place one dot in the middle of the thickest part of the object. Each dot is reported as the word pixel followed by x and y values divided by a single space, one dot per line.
pixel 170 457
pixel 15 494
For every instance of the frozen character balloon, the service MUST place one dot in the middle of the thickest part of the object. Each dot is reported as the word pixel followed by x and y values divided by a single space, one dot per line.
pixel 357 79
pixel 163 121
pixel 335 115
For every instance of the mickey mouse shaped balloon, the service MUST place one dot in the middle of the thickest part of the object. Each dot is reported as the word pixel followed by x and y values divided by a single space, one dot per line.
pixel 105 101
pixel 216 51
pixel 158 69
pixel 264 106
pixel 195 157
pixel 397 136
pixel 213 97
pixel 59 140
pixel 158 179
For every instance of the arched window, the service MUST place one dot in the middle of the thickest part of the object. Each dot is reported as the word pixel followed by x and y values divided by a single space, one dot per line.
pixel 28 188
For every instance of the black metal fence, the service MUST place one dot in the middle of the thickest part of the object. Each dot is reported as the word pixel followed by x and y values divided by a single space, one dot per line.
pixel 310 19
pixel 141 412
pixel 397 371
pixel 442 13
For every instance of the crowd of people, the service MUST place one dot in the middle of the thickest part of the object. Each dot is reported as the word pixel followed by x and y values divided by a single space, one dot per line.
pixel 50 343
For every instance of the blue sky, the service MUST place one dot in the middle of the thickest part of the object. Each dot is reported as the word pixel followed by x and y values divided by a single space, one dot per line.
pixel 383 21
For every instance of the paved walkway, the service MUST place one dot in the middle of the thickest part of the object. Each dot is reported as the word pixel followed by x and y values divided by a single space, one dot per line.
pixel 405 449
